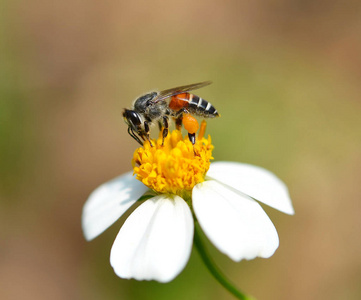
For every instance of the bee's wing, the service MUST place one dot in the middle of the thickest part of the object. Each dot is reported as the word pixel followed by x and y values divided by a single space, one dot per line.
pixel 180 89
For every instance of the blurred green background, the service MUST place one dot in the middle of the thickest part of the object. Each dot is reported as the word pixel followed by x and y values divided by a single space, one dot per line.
pixel 286 81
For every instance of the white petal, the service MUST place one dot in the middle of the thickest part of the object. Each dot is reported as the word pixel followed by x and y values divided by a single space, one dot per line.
pixel 108 202
pixel 237 225
pixel 155 241
pixel 254 181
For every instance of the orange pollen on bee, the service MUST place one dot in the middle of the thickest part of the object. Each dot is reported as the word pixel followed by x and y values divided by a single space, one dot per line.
pixel 190 123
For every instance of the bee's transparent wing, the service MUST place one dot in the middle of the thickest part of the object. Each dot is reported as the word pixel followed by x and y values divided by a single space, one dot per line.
pixel 180 89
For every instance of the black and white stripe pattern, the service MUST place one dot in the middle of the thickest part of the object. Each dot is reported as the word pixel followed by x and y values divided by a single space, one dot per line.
pixel 201 107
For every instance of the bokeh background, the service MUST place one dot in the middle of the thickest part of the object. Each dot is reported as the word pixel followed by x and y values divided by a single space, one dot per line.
pixel 287 82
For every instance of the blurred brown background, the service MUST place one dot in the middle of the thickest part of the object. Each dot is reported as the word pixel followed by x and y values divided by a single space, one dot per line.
pixel 286 80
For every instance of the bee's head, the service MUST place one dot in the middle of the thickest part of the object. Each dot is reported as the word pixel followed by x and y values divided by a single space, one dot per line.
pixel 132 119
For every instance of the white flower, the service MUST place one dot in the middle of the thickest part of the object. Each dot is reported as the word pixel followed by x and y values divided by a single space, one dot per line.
pixel 155 241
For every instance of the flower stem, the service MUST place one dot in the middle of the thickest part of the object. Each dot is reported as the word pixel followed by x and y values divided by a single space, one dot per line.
pixel 218 275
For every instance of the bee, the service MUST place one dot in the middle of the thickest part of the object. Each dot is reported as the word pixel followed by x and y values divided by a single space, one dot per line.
pixel 177 103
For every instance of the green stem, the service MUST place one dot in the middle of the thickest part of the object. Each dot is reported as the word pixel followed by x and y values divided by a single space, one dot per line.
pixel 213 268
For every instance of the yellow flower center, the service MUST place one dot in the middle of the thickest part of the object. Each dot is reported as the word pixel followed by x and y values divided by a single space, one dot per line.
pixel 177 166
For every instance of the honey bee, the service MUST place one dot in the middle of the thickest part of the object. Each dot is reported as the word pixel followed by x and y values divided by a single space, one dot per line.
pixel 159 106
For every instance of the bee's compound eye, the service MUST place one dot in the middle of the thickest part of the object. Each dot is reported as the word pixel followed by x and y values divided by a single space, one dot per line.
pixel 131 117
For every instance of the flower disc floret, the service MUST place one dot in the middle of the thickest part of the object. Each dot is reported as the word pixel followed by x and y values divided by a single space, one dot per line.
pixel 175 167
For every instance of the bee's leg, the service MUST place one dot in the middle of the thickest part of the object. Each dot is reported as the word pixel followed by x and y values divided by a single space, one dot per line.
pixel 192 137
pixel 165 128
pixel 178 122
pixel 147 132
pixel 179 118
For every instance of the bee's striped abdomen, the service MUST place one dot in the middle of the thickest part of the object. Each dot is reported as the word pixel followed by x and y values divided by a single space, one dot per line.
pixel 194 105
